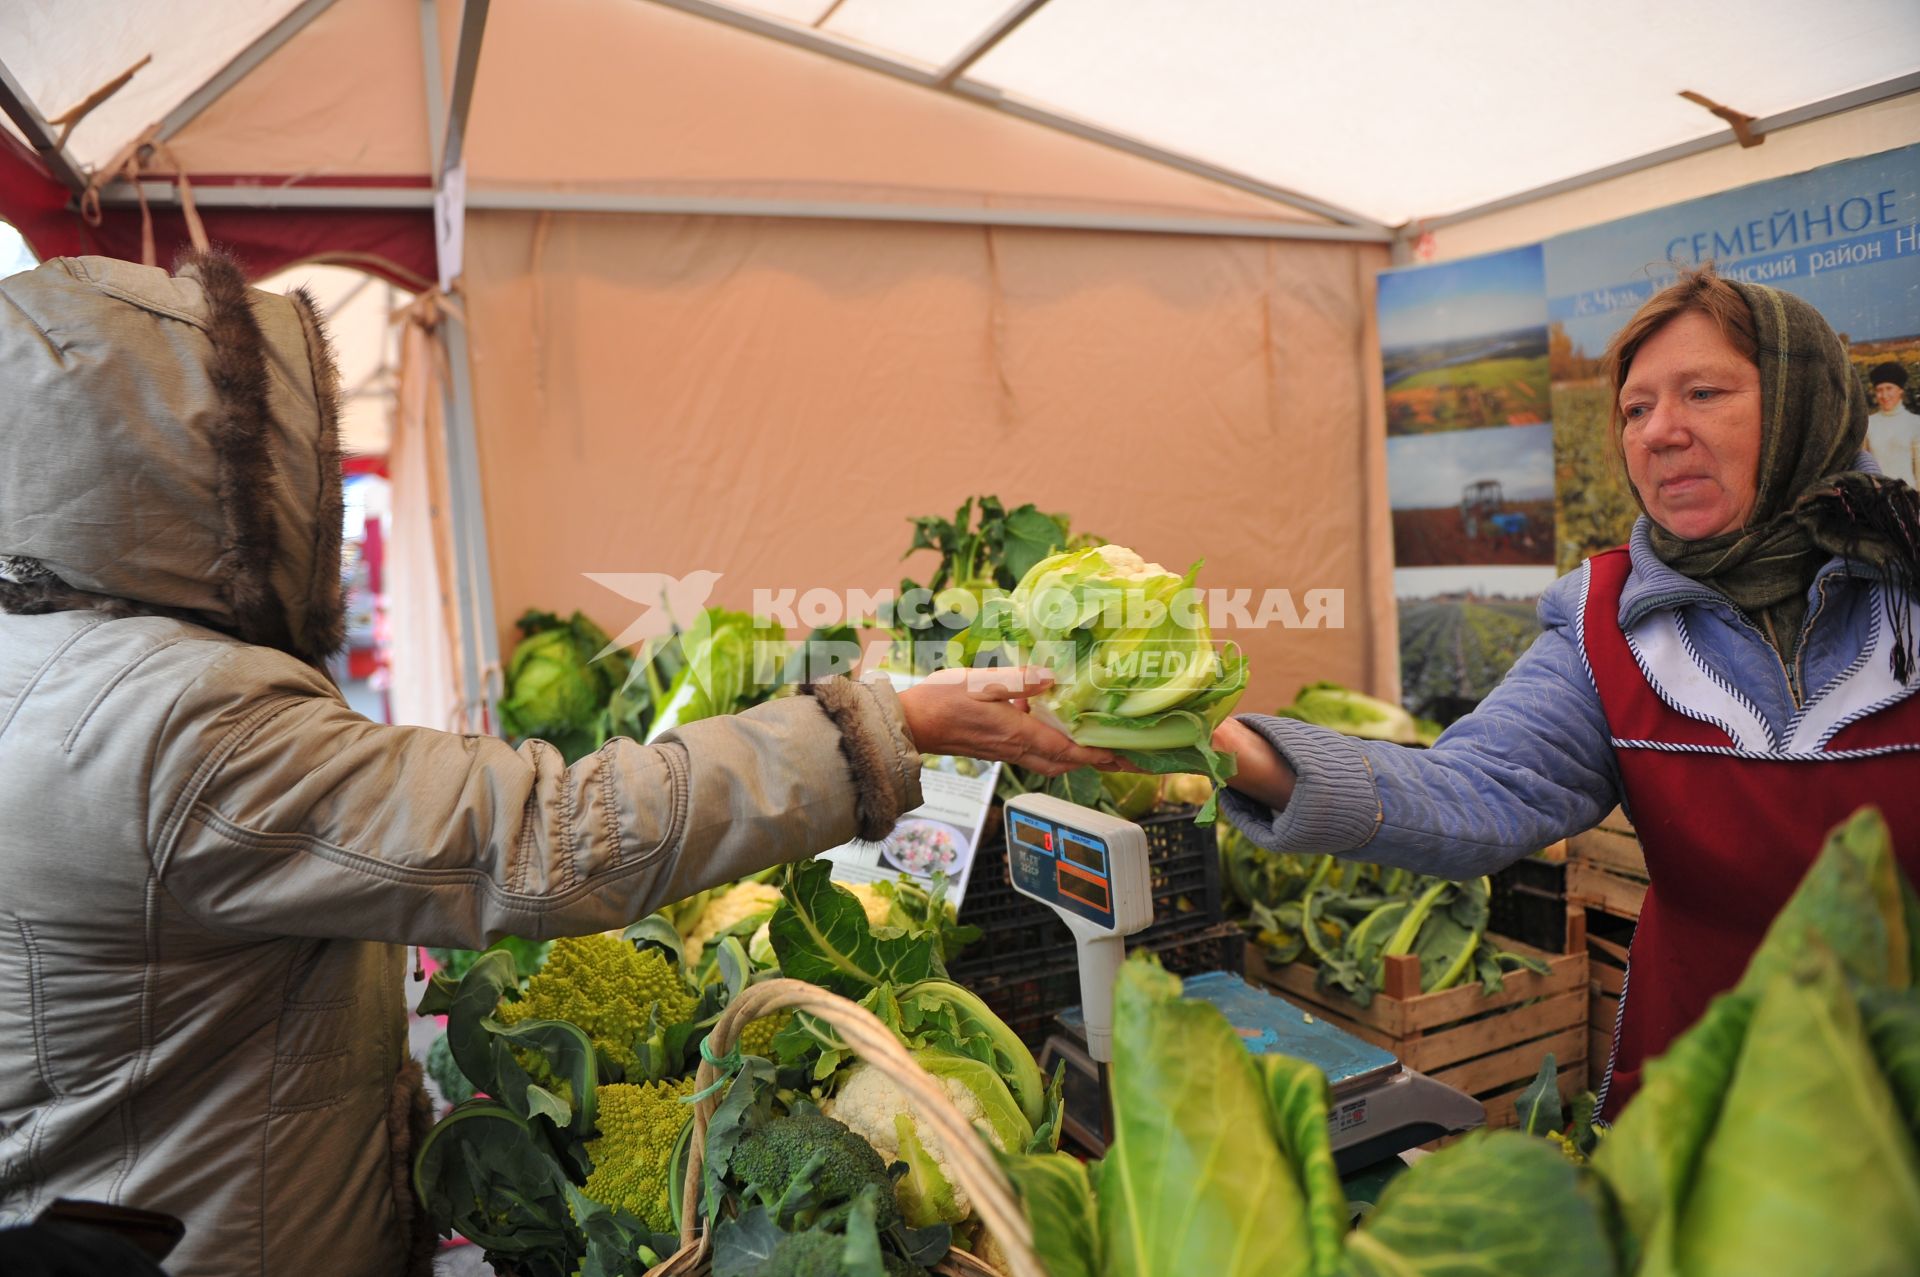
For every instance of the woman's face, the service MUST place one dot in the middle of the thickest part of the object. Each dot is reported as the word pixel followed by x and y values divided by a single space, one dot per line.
pixel 1887 395
pixel 1692 408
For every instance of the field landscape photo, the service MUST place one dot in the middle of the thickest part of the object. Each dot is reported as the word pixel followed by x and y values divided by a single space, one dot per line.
pixel 1461 629
pixel 1596 508
pixel 1472 496
pixel 1464 344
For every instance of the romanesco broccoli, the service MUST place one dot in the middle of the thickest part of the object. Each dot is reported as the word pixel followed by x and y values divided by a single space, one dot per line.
pixel 606 987
pixel 757 1037
pixel 633 1158
pixel 770 1158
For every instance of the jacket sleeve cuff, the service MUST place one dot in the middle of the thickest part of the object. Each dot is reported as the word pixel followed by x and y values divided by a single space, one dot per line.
pixel 1335 807
pixel 878 750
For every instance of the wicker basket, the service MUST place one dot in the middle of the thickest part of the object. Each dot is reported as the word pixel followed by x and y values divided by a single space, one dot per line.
pixel 971 1162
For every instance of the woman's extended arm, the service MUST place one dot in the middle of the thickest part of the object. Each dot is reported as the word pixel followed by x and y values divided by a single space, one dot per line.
pixel 1532 764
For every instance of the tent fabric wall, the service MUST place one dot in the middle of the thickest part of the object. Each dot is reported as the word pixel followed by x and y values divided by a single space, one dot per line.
pixel 422 615
pixel 1882 126
pixel 774 399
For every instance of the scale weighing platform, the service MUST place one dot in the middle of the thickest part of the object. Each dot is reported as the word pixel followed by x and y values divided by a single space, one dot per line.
pixel 1379 1110
pixel 1091 869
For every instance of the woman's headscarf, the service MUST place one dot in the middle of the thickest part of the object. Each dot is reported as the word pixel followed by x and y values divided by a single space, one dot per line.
pixel 1811 503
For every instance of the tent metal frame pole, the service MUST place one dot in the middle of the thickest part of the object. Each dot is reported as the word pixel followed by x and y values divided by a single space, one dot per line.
pixel 39 134
pixel 163 194
pixel 983 44
pixel 957 215
pixel 466 65
pixel 994 99
pixel 479 643
pixel 240 67
pixel 1867 96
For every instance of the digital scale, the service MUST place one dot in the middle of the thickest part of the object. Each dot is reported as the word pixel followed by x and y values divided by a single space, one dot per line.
pixel 1091 869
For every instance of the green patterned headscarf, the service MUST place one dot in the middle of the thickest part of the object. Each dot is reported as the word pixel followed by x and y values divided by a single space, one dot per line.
pixel 1811 502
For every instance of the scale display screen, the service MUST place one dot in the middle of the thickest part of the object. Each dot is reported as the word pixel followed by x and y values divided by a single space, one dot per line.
pixel 1027 834
pixel 1084 852
pixel 1061 866
pixel 1085 890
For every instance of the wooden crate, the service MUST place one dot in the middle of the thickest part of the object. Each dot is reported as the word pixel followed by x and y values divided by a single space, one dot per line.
pixel 1489 1047
pixel 1606 869
pixel 1607 967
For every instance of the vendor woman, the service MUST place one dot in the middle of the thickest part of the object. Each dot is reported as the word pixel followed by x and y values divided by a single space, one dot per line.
pixel 1740 675
pixel 206 858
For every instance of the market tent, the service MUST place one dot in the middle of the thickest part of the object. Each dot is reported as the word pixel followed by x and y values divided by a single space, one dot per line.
pixel 742 289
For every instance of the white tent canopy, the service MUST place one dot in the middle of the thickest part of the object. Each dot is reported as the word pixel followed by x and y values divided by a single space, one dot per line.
pixel 1380 113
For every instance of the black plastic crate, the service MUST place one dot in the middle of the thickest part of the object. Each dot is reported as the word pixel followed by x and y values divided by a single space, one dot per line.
pixel 1529 903
pixel 1016 932
pixel 1028 1000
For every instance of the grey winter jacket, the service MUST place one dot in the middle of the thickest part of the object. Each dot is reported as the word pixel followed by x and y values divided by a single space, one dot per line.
pixel 207 861
pixel 1534 762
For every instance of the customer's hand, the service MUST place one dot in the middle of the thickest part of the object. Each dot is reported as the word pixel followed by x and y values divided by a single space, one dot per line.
pixel 982 713
pixel 1260 773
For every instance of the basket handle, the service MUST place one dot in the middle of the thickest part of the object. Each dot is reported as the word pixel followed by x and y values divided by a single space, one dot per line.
pixel 969 1158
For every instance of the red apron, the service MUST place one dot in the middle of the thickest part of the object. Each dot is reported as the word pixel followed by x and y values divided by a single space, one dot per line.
pixel 1730 817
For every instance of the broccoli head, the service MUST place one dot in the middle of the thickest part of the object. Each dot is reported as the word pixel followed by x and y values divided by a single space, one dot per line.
pixel 812 1151
pixel 822 1254
pixel 633 1157
pixel 607 988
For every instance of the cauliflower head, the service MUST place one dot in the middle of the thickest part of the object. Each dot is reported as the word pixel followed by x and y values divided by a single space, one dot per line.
pixel 632 1159
pixel 876 906
pixel 741 901
pixel 871 1105
pixel 607 988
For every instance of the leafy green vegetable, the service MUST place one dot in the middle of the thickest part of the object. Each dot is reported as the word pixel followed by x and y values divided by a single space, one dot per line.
pixel 1808 1134
pixel 484 1172
pixel 1193 1181
pixel 1851 902
pixel 995 555
pixel 732 660
pixel 1057 1195
pixel 821 935
pixel 1538 1111
pixel 1495 1204
pixel 1354 713
pixel 1298 1101
pixel 558 683
pixel 1774 1110
pixel 1137 670
pixel 1893 1027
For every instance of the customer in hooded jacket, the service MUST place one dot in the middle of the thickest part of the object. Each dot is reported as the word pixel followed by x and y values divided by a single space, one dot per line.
pixel 208 863
pixel 1741 675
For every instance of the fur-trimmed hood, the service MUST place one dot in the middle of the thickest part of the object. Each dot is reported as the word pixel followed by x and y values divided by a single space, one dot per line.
pixel 169 444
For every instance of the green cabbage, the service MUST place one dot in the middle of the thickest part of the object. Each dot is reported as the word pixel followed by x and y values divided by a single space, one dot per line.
pixel 558 683
pixel 1354 713
pixel 732 661
pixel 1194 1180
pixel 1134 656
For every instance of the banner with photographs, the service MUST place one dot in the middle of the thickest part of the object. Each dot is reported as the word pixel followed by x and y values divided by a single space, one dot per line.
pixel 1500 458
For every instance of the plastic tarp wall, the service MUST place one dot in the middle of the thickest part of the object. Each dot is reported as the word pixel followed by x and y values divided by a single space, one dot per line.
pixel 773 399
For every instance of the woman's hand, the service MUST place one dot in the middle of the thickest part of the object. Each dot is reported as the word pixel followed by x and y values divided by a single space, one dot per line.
pixel 982 713
pixel 1262 774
